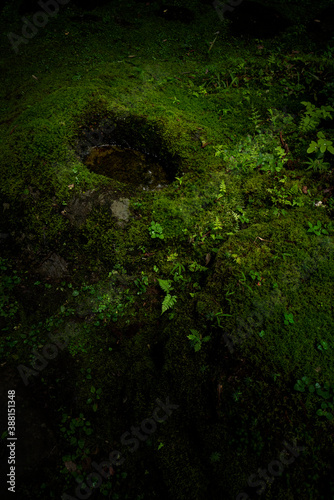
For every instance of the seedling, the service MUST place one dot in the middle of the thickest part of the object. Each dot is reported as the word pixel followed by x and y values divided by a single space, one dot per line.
pixel 288 318
pixel 156 230
pixel 196 339
pixel 316 229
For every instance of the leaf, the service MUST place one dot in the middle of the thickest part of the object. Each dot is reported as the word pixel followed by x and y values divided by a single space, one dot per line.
pixel 299 386
pixel 222 187
pixel 168 302
pixel 75 293
pixel 194 332
pixel 165 285
pixel 312 147
pixel 81 443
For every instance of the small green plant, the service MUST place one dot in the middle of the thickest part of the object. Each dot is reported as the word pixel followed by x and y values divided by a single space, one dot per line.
pixel 196 339
pixel 75 431
pixel 255 275
pixel 222 189
pixel 319 148
pixel 215 457
pixel 316 229
pixel 255 118
pixel 194 267
pixel 178 269
pixel 169 300
pixel 156 230
pixel 288 319
pixel 95 396
pixel 313 116
pixel 219 316
pixel 141 283
pixel 286 196
pixel 323 346
pixel 302 383
pixel 175 100
pixel 236 395
pixel 327 393
pixel 137 205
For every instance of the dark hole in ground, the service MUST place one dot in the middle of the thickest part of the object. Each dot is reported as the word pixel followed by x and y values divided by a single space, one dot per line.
pixel 127 166
pixel 128 150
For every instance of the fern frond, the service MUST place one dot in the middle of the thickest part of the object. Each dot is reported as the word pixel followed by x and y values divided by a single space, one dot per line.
pixel 168 302
pixel 166 285
pixel 217 224
pixel 222 187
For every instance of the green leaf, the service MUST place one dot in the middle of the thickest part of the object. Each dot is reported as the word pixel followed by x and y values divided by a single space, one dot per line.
pixel 323 394
pixel 75 293
pixel 81 443
pixel 299 386
pixel 194 332
pixel 168 302
pixel 166 285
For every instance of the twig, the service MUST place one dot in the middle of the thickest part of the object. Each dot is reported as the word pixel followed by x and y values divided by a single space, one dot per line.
pixel 258 237
pixel 284 144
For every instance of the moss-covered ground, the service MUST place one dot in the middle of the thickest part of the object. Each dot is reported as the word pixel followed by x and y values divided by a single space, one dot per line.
pixel 215 292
